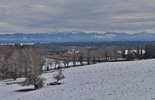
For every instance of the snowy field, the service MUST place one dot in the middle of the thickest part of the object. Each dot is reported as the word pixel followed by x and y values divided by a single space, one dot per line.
pixel 133 80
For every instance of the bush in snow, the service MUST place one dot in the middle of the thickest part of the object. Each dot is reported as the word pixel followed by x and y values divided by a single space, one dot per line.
pixel 38 82
pixel 59 76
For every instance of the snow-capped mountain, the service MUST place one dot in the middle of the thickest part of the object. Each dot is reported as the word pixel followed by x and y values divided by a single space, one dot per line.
pixel 75 37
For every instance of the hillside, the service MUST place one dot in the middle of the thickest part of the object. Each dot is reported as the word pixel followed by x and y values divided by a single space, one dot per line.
pixel 132 80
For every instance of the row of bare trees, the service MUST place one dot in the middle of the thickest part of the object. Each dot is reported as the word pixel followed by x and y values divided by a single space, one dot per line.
pixel 105 53
pixel 16 62
pixel 82 55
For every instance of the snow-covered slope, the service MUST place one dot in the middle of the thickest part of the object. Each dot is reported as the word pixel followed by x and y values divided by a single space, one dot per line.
pixel 133 80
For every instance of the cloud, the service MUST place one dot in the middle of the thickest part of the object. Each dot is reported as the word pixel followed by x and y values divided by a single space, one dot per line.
pixel 84 15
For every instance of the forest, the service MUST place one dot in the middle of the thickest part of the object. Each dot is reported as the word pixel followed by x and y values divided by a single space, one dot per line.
pixel 62 47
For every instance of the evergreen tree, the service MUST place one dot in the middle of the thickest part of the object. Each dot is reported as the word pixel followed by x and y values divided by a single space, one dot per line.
pixel 150 50
pixel 141 56
pixel 129 53
pixel 138 54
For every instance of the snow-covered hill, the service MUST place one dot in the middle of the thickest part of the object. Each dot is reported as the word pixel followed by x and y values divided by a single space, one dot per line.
pixel 134 80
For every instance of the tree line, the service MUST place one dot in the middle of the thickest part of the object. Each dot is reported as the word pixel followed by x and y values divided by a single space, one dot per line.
pixel 105 53
pixel 22 61
pixel 65 46
pixel 82 55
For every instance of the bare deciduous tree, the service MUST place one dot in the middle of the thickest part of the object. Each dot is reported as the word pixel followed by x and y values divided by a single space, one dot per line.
pixel 14 64
pixel 34 61
pixel 112 52
pixel 66 59
pixel 49 63
pixel 81 54
pixel 74 56
pixel 101 54
pixel 88 55
pixel 56 60
pixel 3 59
pixel 94 56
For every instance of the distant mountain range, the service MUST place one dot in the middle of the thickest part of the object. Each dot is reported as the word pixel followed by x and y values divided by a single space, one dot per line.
pixel 74 37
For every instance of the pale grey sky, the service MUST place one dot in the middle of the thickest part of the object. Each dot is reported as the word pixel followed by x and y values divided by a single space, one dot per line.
pixel 29 16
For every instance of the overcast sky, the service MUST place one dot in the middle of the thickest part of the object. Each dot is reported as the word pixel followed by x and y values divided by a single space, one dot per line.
pixel 29 16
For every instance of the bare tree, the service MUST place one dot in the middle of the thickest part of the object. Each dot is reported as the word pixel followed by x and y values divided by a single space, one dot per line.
pixel 81 53
pixel 88 55
pixel 103 47
pixel 14 64
pixel 94 55
pixel 34 61
pixel 56 60
pixel 49 63
pixel 74 56
pixel 101 54
pixel 65 59
pixel 3 59
pixel 112 52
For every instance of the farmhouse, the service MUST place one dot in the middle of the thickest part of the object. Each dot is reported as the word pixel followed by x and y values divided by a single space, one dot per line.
pixel 134 53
